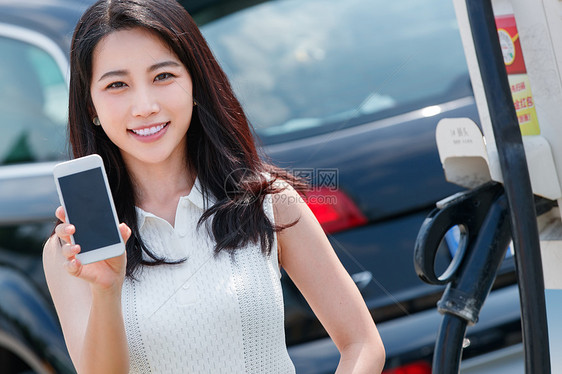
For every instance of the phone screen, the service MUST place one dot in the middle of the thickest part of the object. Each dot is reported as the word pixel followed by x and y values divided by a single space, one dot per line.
pixel 89 209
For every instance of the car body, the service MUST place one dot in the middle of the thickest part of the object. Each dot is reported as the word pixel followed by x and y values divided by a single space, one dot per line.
pixel 346 93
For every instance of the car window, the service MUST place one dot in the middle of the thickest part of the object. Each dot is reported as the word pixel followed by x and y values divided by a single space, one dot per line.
pixel 33 104
pixel 308 66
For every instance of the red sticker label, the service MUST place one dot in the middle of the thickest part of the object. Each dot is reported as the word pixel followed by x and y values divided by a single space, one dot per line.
pixel 510 44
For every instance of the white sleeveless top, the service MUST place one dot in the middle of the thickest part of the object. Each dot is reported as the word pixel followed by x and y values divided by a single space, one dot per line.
pixel 209 314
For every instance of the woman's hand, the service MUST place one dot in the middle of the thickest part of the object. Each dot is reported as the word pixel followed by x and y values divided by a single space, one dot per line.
pixel 103 275
pixel 88 302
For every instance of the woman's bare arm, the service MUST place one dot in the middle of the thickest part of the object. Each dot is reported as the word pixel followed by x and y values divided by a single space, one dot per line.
pixel 310 261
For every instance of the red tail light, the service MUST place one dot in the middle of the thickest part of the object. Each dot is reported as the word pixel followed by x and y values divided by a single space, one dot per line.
pixel 334 209
pixel 420 367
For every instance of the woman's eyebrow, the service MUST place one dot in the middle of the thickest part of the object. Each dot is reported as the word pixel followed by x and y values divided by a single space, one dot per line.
pixel 164 64
pixel 150 69
pixel 113 73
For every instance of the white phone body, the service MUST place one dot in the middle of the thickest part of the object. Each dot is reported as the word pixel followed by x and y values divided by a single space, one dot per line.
pixel 85 194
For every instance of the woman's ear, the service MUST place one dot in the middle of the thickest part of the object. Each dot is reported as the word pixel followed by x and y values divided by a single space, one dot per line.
pixel 91 109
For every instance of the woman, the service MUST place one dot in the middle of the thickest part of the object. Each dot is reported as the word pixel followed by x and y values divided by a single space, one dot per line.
pixel 207 223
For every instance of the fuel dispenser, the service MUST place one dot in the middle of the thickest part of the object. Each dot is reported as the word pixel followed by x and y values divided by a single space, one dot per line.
pixel 512 168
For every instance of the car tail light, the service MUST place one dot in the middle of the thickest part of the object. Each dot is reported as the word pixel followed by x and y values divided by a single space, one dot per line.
pixel 421 367
pixel 334 209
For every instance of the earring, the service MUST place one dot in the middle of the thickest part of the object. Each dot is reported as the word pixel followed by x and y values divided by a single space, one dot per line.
pixel 96 121
pixel 194 103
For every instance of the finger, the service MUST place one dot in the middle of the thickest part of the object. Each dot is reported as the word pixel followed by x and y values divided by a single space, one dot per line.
pixel 125 231
pixel 64 230
pixel 74 267
pixel 70 250
pixel 59 213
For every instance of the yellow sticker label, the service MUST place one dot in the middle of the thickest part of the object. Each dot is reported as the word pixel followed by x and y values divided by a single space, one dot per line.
pixel 524 104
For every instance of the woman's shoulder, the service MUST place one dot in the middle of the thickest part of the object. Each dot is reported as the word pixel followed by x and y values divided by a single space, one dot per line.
pixel 288 204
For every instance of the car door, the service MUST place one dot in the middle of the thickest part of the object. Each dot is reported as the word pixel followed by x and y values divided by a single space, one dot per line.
pixel 33 116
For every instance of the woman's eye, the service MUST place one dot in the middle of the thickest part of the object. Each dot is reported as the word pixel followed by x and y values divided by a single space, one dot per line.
pixel 116 85
pixel 163 76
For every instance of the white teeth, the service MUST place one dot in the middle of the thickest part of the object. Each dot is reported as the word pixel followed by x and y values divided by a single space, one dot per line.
pixel 149 131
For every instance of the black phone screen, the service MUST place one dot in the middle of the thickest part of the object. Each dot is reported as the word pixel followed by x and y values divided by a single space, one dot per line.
pixel 89 209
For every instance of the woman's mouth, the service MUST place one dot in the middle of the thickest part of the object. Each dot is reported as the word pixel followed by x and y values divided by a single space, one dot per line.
pixel 150 133
pixel 147 131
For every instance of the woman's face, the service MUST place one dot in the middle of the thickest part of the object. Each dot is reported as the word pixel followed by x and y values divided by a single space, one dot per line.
pixel 142 94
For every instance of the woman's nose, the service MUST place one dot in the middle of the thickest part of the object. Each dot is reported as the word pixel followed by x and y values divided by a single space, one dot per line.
pixel 145 102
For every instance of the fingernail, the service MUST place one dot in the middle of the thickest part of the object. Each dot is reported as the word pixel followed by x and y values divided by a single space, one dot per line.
pixel 69 229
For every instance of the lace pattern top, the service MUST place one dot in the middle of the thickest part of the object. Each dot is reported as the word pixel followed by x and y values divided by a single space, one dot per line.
pixel 209 314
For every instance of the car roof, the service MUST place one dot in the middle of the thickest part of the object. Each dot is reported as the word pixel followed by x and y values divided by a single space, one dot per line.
pixel 53 18
pixel 57 18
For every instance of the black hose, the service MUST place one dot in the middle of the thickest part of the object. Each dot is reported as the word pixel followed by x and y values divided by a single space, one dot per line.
pixel 471 283
pixel 449 344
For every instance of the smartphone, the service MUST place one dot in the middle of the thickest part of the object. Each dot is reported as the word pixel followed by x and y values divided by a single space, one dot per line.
pixel 86 197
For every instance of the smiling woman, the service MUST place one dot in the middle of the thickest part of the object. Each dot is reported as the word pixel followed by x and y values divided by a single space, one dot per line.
pixel 207 222
pixel 141 99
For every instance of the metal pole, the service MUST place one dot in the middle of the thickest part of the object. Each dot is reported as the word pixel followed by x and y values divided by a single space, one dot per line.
pixel 516 183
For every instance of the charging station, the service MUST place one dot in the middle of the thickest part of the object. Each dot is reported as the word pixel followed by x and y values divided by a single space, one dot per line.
pixel 512 167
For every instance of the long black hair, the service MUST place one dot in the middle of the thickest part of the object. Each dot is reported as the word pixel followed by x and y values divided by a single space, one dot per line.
pixel 220 142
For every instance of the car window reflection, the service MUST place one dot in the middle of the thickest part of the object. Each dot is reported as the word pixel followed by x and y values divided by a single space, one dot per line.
pixel 302 65
pixel 33 104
